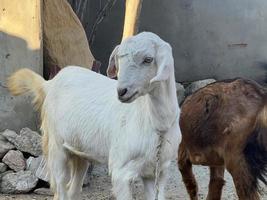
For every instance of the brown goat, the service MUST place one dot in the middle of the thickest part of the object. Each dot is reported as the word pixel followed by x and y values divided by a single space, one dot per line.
pixel 224 125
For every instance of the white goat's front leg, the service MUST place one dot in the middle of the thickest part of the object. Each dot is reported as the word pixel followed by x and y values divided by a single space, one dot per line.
pixel 149 187
pixel 162 184
pixel 121 182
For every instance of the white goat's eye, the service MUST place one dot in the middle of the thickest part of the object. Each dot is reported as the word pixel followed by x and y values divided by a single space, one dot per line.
pixel 147 60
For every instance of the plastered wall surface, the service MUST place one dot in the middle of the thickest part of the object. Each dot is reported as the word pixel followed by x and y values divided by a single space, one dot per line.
pixel 20 46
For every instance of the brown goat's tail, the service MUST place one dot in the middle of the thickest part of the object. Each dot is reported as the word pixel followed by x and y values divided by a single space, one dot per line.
pixel 24 81
pixel 256 150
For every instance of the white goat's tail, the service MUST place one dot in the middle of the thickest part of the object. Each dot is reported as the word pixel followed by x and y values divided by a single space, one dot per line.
pixel 24 81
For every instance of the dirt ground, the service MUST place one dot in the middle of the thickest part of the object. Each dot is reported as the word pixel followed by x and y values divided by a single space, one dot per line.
pixel 100 187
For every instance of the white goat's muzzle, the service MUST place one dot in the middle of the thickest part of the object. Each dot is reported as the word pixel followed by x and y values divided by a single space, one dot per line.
pixel 126 94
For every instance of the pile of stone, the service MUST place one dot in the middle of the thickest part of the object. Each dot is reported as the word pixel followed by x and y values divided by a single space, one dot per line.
pixel 22 164
pixel 22 167
pixel 184 90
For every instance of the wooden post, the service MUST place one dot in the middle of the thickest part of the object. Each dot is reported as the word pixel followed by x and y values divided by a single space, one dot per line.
pixel 131 18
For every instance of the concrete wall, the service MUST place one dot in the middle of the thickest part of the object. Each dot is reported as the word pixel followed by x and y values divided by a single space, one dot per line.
pixel 210 38
pixel 20 46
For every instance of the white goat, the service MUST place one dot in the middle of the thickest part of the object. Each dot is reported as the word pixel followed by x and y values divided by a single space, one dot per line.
pixel 82 118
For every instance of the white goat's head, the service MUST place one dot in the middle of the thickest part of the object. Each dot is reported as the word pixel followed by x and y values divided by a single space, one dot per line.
pixel 140 62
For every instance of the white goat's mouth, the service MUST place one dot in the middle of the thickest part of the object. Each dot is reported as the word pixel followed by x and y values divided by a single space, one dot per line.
pixel 129 99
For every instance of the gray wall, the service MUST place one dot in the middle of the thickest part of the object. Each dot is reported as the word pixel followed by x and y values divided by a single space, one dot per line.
pixel 16 112
pixel 210 38
pixel 20 46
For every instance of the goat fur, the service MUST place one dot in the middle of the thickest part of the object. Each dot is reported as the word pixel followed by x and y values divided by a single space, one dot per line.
pixel 83 120
pixel 224 127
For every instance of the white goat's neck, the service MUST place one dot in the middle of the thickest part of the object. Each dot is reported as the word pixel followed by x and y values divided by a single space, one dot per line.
pixel 163 105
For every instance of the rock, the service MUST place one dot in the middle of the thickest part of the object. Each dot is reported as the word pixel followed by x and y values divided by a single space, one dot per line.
pixel 87 179
pixel 194 86
pixel 38 167
pixel 100 170
pixel 42 172
pixel 14 160
pixel 88 175
pixel 27 141
pixel 3 167
pixel 6 172
pixel 43 191
pixel 180 91
pixel 5 145
pixel 19 182
pixel 32 163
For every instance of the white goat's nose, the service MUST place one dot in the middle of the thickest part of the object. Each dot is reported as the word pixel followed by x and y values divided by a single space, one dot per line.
pixel 122 92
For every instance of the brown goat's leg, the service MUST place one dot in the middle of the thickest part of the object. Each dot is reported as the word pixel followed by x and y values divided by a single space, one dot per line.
pixel 216 183
pixel 185 167
pixel 243 180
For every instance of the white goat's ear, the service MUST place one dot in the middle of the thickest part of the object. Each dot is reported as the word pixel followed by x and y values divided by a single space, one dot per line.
pixel 112 69
pixel 165 63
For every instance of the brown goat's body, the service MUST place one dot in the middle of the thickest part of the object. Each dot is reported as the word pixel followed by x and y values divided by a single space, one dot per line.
pixel 217 124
